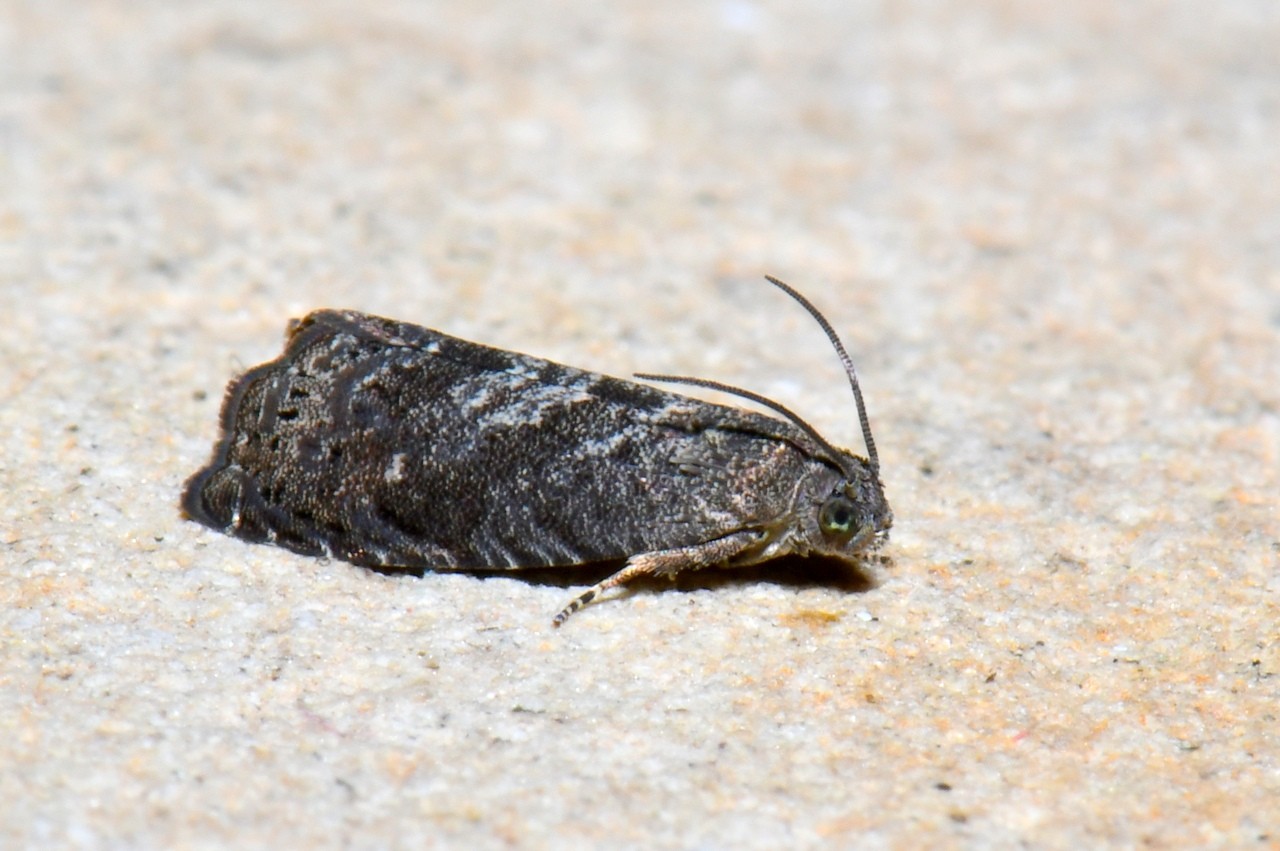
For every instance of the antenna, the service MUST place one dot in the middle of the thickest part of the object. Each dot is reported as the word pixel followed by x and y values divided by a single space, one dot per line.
pixel 867 439
pixel 836 457
pixel 834 453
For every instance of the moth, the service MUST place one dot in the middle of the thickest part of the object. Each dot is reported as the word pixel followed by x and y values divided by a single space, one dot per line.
pixel 390 445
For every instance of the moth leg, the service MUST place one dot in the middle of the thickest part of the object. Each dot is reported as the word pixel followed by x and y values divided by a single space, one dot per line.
pixel 665 563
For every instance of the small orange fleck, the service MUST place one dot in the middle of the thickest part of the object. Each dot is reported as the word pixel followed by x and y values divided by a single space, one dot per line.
pixel 1245 497
pixel 401 767
pixel 812 618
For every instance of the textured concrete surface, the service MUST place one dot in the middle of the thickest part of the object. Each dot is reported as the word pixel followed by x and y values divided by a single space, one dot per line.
pixel 1050 238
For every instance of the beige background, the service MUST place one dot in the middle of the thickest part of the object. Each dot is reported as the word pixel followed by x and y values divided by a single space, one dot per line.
pixel 1050 239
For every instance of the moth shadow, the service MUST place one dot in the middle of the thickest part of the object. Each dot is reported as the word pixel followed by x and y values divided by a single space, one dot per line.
pixel 788 571
pixel 797 572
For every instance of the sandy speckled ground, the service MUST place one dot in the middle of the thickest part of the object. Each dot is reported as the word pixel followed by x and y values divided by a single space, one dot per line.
pixel 1049 239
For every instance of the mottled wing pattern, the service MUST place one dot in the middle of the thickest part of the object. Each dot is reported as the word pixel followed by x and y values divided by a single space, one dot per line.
pixel 384 443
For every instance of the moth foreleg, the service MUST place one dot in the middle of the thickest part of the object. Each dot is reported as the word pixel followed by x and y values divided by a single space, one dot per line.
pixel 666 563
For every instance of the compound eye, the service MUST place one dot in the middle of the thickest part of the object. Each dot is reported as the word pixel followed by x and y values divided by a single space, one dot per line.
pixel 838 516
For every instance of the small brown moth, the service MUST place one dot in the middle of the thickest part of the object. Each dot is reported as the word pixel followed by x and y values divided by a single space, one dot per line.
pixel 387 444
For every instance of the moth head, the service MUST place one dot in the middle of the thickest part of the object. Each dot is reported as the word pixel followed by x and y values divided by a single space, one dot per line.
pixel 854 517
pixel 851 515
